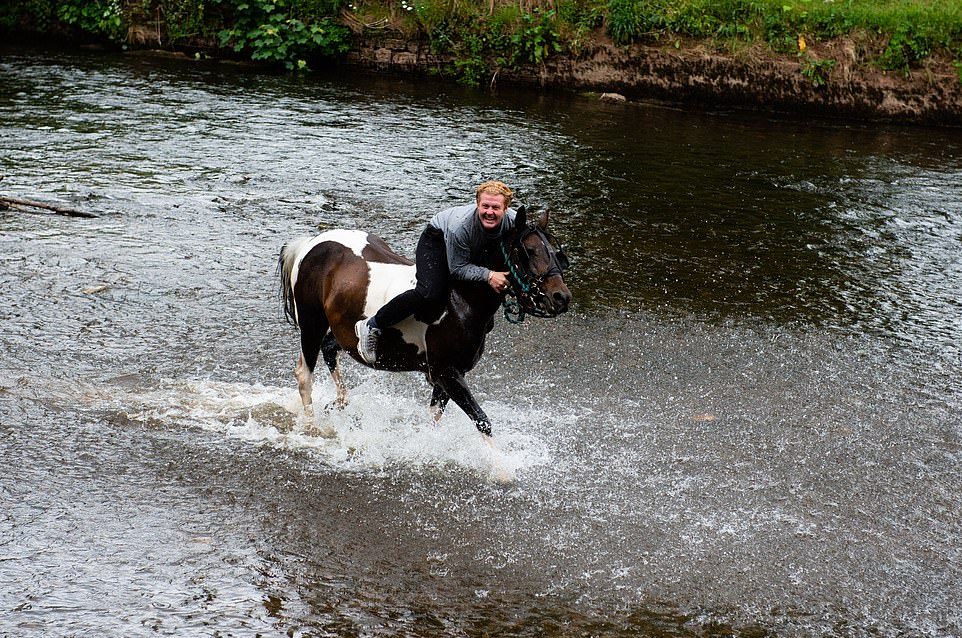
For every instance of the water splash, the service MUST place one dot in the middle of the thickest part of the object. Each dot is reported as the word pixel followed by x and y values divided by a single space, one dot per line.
pixel 378 428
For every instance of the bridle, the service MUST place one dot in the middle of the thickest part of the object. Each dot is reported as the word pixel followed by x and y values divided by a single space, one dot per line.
pixel 528 297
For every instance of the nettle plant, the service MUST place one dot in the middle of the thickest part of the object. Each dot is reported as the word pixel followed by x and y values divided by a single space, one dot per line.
pixel 284 31
pixel 99 17
pixel 536 37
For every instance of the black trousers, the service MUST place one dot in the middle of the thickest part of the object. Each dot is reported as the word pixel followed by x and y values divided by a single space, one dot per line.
pixel 426 301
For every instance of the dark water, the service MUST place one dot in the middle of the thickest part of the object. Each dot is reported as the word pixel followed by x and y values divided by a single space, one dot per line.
pixel 748 425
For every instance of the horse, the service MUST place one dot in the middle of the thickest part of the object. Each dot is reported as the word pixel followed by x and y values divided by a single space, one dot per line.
pixel 331 281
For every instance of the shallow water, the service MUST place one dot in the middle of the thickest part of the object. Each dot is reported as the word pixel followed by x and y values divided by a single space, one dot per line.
pixel 748 424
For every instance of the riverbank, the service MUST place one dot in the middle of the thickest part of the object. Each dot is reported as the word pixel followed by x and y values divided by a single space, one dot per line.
pixel 888 61
pixel 694 74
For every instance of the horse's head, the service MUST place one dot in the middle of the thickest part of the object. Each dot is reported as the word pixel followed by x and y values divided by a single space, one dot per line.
pixel 536 262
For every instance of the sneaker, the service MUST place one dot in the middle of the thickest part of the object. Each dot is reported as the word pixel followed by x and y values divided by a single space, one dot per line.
pixel 367 337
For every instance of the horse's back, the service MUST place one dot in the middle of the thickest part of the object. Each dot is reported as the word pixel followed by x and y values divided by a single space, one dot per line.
pixel 348 275
pixel 361 244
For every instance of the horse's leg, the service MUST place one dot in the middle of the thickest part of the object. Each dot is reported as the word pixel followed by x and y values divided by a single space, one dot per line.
pixel 313 330
pixel 452 383
pixel 439 400
pixel 304 372
pixel 329 349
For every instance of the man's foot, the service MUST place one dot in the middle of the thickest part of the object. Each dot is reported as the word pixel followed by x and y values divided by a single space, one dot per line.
pixel 367 337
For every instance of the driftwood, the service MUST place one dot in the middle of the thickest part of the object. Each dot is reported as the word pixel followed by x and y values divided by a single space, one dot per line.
pixel 16 202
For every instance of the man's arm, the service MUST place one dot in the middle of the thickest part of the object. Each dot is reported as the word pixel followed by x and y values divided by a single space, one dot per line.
pixel 459 258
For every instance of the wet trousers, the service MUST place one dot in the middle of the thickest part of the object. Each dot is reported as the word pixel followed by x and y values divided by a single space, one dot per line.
pixel 426 301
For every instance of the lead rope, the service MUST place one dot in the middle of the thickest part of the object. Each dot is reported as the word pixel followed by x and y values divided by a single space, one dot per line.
pixel 513 311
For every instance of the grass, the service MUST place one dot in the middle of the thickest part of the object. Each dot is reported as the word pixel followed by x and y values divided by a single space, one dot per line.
pixel 901 32
pixel 889 34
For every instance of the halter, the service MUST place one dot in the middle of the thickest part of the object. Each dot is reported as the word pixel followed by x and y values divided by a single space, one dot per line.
pixel 525 285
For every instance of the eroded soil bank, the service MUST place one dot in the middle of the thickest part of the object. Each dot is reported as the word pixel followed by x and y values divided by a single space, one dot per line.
pixel 753 79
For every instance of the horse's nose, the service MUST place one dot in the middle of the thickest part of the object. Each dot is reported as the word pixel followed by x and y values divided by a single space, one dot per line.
pixel 561 300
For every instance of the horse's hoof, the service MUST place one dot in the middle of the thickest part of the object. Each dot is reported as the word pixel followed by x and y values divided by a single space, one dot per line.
pixel 305 423
pixel 336 404
pixel 501 475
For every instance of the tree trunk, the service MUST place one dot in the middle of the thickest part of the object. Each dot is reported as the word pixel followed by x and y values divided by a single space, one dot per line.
pixel 15 202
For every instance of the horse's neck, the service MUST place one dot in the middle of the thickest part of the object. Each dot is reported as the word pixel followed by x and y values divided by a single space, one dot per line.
pixel 475 301
pixel 477 296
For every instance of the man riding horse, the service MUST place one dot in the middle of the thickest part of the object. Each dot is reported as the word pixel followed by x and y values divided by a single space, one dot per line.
pixel 469 258
pixel 453 246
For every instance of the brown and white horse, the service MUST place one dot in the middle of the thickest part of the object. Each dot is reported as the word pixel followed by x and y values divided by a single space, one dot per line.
pixel 331 281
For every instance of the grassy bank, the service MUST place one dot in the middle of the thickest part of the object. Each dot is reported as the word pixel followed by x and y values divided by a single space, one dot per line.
pixel 893 35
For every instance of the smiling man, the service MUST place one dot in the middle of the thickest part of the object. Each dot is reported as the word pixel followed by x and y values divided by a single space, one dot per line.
pixel 453 246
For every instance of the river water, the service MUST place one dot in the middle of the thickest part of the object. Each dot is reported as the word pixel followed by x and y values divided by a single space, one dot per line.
pixel 749 423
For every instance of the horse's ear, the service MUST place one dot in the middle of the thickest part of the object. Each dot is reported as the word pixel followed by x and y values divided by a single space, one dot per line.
pixel 521 218
pixel 543 221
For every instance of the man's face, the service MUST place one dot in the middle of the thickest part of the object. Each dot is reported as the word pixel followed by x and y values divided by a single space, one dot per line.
pixel 491 211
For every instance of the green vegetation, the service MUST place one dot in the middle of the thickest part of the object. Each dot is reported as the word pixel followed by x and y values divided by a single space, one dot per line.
pixel 100 18
pixel 479 38
pixel 483 36
pixel 892 34
pixel 816 70
pixel 888 34
pixel 283 31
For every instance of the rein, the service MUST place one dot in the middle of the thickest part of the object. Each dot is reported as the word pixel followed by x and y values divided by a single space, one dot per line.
pixel 526 289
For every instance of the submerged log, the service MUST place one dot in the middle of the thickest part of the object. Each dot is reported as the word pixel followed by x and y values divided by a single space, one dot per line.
pixel 16 202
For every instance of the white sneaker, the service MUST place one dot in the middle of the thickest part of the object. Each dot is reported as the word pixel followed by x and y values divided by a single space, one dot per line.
pixel 367 341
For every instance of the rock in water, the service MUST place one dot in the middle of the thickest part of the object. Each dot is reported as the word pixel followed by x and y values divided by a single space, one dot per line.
pixel 612 97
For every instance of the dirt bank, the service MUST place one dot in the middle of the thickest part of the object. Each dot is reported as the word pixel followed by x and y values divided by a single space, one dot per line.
pixel 754 78
pixel 841 85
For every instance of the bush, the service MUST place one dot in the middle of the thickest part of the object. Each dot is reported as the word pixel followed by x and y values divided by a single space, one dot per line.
pixel 283 31
pixel 896 34
pixel 535 38
pixel 100 18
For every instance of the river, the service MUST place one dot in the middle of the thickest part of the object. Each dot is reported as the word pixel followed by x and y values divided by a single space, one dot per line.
pixel 748 424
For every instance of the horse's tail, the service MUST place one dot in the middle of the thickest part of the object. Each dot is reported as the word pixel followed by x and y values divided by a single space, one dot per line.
pixel 285 264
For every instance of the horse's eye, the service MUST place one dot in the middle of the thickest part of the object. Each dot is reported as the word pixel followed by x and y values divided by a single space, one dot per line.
pixel 563 259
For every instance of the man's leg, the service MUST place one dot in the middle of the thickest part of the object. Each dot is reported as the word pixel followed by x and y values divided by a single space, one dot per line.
pixel 432 279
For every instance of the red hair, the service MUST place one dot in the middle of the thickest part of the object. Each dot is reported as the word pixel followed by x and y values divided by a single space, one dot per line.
pixel 493 187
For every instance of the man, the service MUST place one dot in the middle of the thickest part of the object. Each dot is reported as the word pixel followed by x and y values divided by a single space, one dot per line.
pixel 452 246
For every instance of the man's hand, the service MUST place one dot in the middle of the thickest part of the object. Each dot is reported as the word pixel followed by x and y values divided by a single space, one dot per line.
pixel 498 281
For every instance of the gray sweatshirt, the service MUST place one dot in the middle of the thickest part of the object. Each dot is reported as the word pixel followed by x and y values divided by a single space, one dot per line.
pixel 467 242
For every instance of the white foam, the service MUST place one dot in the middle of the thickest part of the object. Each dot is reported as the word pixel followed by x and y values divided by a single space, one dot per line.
pixel 380 427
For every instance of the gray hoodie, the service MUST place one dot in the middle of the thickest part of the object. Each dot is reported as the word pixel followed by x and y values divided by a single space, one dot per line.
pixel 466 240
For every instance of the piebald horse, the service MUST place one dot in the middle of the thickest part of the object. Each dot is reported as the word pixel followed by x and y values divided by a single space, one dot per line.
pixel 331 281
